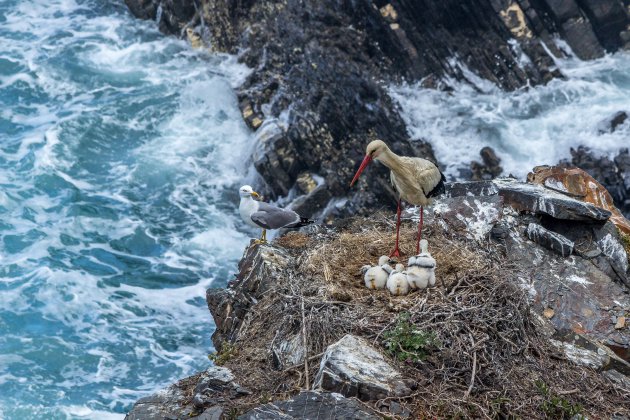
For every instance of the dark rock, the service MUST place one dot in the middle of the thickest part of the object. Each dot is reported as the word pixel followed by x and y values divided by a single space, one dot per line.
pixel 609 125
pixel 309 205
pixel 608 18
pixel 550 240
pixel 491 167
pixel 353 368
pixel 313 405
pixel 212 413
pixel 579 34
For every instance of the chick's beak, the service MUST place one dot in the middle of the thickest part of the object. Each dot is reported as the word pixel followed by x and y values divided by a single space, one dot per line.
pixel 366 160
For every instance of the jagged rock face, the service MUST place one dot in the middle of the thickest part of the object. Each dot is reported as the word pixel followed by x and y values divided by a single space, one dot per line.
pixel 313 405
pixel 230 306
pixel 316 96
pixel 573 262
pixel 353 368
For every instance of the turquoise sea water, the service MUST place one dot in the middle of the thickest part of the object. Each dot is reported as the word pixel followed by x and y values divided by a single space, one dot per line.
pixel 120 150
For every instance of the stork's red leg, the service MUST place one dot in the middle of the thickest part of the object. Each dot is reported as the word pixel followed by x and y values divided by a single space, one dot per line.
pixel 396 251
pixel 420 230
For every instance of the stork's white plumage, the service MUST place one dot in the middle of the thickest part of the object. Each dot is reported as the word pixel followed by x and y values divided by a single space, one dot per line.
pixel 397 281
pixel 376 277
pixel 414 179
pixel 421 270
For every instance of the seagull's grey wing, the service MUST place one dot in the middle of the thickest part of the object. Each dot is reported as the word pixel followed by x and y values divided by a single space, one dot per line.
pixel 272 217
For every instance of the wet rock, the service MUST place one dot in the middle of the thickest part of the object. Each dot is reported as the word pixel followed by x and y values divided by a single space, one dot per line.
pixel 489 169
pixel 550 240
pixel 310 204
pixel 611 124
pixel 353 368
pixel 609 19
pixel 313 405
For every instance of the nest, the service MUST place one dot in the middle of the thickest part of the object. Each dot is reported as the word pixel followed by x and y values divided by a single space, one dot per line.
pixel 491 360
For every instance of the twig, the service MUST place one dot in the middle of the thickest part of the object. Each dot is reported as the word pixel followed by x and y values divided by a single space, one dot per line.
pixel 308 382
pixel 474 369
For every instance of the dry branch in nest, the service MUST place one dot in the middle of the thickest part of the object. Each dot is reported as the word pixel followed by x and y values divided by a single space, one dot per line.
pixel 490 361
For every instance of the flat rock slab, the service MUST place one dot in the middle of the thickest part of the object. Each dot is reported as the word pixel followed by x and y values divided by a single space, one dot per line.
pixel 353 368
pixel 549 239
pixel 539 200
pixel 313 405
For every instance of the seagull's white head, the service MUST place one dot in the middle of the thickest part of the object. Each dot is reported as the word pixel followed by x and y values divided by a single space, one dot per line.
pixel 247 191
pixel 384 259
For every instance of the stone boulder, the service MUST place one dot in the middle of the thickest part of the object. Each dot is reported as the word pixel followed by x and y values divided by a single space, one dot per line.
pixel 353 368
pixel 209 389
pixel 313 405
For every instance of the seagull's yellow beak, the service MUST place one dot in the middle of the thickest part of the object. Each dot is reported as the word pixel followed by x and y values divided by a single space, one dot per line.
pixel 255 194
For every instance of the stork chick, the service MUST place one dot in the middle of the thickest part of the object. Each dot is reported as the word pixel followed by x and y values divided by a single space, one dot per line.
pixel 376 277
pixel 414 179
pixel 421 270
pixel 397 281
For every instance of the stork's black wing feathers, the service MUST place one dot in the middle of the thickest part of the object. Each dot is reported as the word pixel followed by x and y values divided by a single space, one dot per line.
pixel 439 189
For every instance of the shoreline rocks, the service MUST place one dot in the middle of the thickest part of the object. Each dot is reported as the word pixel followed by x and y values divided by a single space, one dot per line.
pixel 318 91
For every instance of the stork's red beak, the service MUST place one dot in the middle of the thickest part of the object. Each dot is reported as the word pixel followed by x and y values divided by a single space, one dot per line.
pixel 366 160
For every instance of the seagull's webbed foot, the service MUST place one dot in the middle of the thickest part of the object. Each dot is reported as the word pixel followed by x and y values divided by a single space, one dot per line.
pixel 263 238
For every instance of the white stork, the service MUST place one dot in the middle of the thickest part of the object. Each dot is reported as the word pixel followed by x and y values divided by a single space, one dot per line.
pixel 414 179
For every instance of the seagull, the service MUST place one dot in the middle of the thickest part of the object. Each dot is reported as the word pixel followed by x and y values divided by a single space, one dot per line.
pixel 265 216
pixel 414 179
pixel 397 281
pixel 421 270
pixel 376 277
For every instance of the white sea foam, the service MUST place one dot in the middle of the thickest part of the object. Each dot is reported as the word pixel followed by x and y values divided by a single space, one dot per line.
pixel 529 127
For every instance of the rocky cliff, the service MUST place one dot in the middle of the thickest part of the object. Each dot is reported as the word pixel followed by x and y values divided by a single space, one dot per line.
pixel 321 68
pixel 528 318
